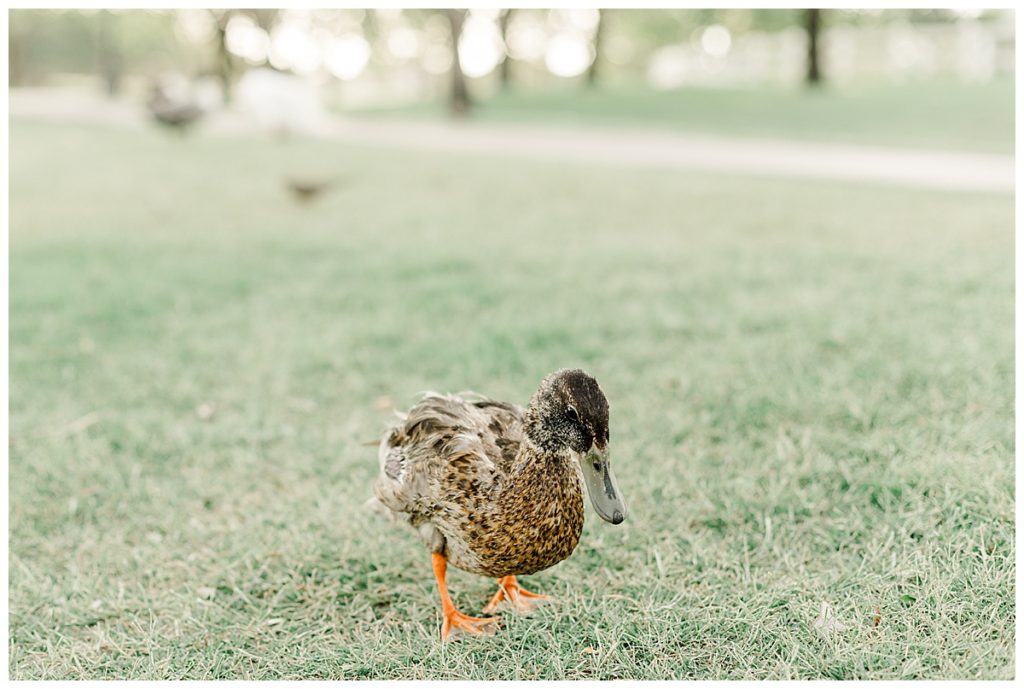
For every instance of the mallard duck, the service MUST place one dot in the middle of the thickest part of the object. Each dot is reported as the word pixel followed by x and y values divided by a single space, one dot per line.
pixel 496 490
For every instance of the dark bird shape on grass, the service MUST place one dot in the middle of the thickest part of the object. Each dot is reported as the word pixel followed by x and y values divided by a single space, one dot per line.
pixel 178 115
pixel 497 490
pixel 305 190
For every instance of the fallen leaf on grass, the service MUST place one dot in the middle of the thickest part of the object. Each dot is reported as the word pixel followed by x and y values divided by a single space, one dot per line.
pixel 826 622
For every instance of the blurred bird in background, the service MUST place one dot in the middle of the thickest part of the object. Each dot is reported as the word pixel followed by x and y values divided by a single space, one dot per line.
pixel 305 190
pixel 173 111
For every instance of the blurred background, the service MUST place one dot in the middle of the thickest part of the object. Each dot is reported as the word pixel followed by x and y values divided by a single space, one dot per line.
pixel 701 69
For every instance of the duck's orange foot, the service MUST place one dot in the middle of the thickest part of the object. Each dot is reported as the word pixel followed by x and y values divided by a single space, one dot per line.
pixel 456 624
pixel 511 594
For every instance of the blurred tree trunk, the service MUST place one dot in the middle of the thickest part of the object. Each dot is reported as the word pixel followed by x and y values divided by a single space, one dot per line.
pixel 812 22
pixel 506 64
pixel 107 54
pixel 460 102
pixel 598 37
pixel 224 64
pixel 15 53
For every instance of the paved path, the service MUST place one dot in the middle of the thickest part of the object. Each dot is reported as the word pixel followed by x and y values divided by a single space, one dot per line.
pixel 907 167
pixel 951 171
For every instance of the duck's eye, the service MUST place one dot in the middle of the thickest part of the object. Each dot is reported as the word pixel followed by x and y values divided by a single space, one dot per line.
pixel 572 414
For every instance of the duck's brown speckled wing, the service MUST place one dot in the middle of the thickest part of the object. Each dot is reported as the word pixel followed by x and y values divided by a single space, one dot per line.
pixel 444 463
pixel 504 431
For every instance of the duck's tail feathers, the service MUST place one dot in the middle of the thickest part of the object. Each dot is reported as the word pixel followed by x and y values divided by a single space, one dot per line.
pixel 375 506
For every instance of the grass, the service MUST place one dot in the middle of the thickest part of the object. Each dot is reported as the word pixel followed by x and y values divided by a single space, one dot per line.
pixel 940 114
pixel 811 388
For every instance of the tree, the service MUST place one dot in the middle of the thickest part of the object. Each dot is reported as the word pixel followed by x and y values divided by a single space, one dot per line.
pixel 224 62
pixel 107 54
pixel 17 46
pixel 506 65
pixel 460 102
pixel 598 35
pixel 812 22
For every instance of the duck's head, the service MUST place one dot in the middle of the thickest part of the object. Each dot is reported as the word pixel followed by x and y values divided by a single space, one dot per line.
pixel 569 411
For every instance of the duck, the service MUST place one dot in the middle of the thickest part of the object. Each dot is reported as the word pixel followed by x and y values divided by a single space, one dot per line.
pixel 305 190
pixel 176 113
pixel 497 490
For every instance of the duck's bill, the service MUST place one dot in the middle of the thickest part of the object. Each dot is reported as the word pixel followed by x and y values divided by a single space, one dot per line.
pixel 602 487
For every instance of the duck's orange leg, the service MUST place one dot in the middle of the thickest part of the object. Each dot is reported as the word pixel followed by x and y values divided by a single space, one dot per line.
pixel 521 600
pixel 454 622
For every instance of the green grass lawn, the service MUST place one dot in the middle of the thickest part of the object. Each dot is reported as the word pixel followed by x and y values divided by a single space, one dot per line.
pixel 811 390
pixel 942 115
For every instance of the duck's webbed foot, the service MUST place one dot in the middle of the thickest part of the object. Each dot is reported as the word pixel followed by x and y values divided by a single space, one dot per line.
pixel 454 623
pixel 457 624
pixel 511 595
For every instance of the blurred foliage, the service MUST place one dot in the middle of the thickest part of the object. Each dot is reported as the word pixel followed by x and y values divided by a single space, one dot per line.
pixel 47 42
